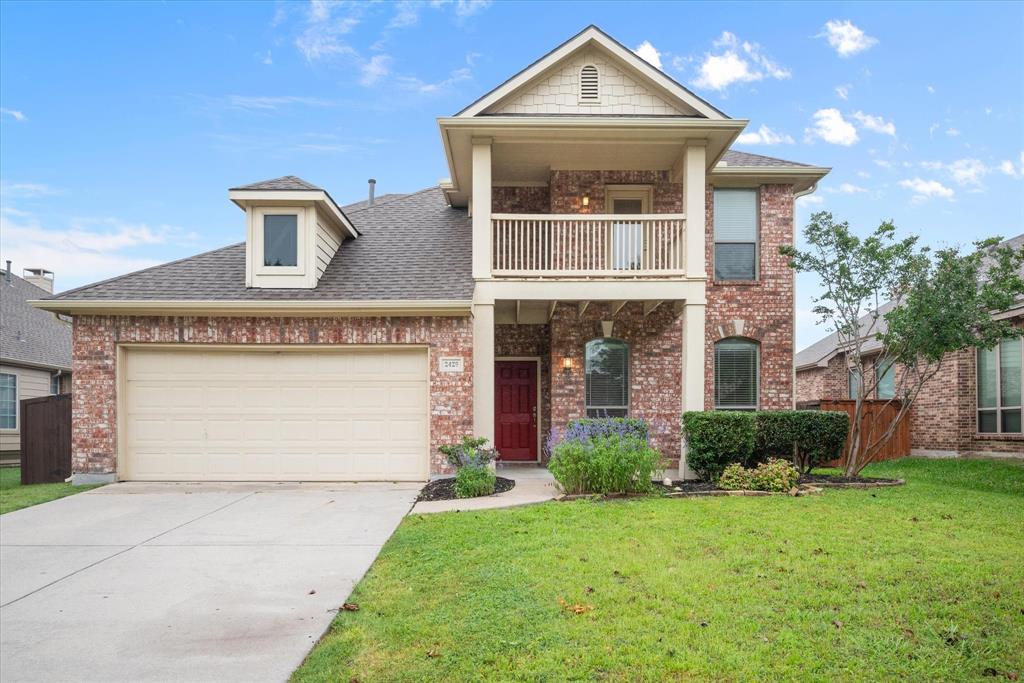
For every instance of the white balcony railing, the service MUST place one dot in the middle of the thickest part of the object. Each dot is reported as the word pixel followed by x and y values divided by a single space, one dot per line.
pixel 602 245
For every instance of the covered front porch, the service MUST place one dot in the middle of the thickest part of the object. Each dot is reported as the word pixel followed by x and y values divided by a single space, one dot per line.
pixel 541 363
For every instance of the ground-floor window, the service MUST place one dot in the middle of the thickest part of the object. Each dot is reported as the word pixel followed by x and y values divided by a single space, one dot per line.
pixel 885 379
pixel 736 374
pixel 999 387
pixel 8 401
pixel 607 378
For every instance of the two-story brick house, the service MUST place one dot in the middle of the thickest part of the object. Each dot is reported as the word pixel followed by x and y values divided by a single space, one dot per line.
pixel 598 250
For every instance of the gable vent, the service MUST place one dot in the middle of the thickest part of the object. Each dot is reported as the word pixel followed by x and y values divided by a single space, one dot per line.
pixel 589 84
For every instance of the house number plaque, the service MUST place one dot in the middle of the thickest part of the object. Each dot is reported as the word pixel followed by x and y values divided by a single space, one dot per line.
pixel 452 364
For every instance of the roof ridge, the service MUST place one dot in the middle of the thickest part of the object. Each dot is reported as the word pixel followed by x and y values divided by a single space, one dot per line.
pixel 144 270
pixel 400 198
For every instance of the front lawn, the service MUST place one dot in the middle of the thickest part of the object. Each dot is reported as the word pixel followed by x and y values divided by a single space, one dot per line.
pixel 14 496
pixel 919 582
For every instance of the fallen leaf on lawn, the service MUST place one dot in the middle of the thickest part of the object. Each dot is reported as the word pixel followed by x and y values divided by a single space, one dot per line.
pixel 837 623
pixel 575 608
pixel 433 653
pixel 861 584
pixel 947 516
pixel 588 589
pixel 350 607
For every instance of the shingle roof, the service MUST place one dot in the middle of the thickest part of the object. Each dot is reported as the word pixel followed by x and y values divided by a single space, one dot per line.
pixel 28 334
pixel 377 201
pixel 288 182
pixel 746 159
pixel 411 247
pixel 823 349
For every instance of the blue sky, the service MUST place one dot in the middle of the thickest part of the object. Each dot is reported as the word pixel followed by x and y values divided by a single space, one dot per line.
pixel 123 125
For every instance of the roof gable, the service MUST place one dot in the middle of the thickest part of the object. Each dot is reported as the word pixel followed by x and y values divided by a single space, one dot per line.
pixel 631 86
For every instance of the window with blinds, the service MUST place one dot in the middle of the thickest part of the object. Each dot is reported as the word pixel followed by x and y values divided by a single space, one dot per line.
pixel 885 380
pixel 589 84
pixel 736 374
pixel 607 378
pixel 735 223
pixel 1000 381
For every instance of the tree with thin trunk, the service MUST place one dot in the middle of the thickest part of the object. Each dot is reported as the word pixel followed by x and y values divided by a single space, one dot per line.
pixel 935 303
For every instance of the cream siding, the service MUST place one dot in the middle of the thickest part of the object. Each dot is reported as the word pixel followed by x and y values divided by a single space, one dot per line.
pixel 328 239
pixel 32 383
pixel 559 93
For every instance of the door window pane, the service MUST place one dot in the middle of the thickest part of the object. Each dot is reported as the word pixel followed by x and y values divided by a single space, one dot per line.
pixel 627 236
pixel 280 240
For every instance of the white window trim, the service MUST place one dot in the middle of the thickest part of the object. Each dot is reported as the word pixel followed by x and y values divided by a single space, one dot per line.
pixel 998 408
pixel 629 374
pixel 757 235
pixel 17 404
pixel 301 235
pixel 757 375
pixel 579 85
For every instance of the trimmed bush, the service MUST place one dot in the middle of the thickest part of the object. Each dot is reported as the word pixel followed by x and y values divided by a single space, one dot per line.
pixel 604 464
pixel 736 477
pixel 807 437
pixel 471 481
pixel 717 439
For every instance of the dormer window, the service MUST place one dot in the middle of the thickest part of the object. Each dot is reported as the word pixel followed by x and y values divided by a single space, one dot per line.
pixel 590 91
pixel 280 239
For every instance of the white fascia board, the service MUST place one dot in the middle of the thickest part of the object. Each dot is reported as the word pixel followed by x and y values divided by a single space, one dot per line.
pixel 244 198
pixel 394 307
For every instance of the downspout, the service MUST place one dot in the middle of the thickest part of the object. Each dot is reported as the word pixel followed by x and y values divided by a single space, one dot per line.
pixel 797 195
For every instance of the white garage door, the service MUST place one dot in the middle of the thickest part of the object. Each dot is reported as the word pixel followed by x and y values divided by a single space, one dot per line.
pixel 329 414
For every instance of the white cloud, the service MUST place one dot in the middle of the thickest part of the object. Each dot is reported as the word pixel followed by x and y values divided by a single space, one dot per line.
pixel 407 13
pixel 846 39
pixel 87 250
pixel 882 163
pixel 931 130
pixel 373 70
pixel 931 89
pixel 810 199
pixel 968 171
pixel 876 124
pixel 14 114
pixel 952 132
pixel 322 37
pixel 272 102
pixel 267 59
pixel 649 54
pixel 737 62
pixel 863 174
pixel 1007 167
pixel 417 85
pixel 830 126
pixel 926 189
pixel 25 190
pixel 843 91
pixel 463 8
pixel 764 136
pixel 848 188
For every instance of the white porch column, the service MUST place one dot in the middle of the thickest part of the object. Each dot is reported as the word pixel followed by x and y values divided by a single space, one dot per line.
pixel 483 371
pixel 481 208
pixel 693 368
pixel 693 189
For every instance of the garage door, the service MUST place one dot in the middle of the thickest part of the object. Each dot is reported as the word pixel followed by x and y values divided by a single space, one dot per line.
pixel 194 414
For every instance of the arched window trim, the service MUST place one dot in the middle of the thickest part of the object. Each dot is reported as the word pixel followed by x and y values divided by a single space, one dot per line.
pixel 585 97
pixel 719 405
pixel 602 409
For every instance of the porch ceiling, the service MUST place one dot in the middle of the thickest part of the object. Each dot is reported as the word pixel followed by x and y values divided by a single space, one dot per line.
pixel 532 312
pixel 533 161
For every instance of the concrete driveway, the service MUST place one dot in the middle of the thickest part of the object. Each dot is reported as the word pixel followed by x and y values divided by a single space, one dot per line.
pixel 184 582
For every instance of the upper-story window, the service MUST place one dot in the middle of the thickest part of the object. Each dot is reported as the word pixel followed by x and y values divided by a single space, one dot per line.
pixel 280 239
pixel 735 212
pixel 590 84
pixel 607 378
pixel 737 374
pixel 999 387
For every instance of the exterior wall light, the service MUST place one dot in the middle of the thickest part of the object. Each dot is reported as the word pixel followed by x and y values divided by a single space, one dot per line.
pixel 567 363
pixel 586 200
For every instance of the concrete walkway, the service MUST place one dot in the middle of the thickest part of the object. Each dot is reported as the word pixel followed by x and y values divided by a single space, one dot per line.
pixel 176 582
pixel 533 485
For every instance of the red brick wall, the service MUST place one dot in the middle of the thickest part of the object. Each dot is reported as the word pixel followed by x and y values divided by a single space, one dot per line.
pixel 656 348
pixel 530 340
pixel 94 402
pixel 761 310
pixel 520 199
pixel 568 188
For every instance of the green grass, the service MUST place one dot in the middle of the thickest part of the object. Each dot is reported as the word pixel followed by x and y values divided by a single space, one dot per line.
pixel 14 496
pixel 920 582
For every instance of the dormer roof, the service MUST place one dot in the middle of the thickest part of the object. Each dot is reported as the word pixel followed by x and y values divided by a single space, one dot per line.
pixel 290 188
pixel 287 182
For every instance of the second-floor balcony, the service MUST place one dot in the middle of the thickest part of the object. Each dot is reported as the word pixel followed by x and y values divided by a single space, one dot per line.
pixel 588 245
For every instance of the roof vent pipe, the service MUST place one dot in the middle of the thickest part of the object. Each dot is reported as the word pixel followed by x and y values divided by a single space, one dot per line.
pixel 373 185
pixel 7 273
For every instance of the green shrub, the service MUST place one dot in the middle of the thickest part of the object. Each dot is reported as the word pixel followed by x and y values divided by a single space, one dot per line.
pixel 591 427
pixel 469 452
pixel 716 439
pixel 736 477
pixel 774 475
pixel 604 464
pixel 807 437
pixel 471 481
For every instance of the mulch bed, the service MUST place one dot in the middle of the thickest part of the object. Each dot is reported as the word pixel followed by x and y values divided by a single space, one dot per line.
pixel 808 484
pixel 444 489
pixel 839 481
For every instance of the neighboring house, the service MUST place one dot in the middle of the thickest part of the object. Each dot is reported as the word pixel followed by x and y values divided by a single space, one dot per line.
pixel 598 250
pixel 971 407
pixel 35 351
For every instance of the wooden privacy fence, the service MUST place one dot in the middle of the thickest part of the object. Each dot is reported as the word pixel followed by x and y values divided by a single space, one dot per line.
pixel 45 439
pixel 876 416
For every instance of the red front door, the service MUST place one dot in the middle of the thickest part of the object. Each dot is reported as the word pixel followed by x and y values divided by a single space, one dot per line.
pixel 515 409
